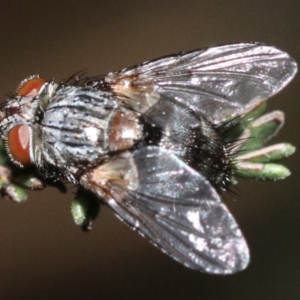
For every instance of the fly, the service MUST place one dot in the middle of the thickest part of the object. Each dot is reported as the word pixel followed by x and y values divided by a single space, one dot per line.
pixel 157 143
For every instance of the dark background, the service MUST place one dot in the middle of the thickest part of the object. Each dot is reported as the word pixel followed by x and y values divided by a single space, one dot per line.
pixel 43 255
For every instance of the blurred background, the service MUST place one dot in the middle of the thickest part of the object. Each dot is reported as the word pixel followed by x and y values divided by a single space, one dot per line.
pixel 43 255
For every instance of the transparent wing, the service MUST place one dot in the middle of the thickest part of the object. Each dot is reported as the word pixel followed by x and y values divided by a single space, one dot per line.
pixel 217 82
pixel 177 209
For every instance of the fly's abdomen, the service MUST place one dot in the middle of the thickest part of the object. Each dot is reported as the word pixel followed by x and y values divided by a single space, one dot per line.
pixel 190 137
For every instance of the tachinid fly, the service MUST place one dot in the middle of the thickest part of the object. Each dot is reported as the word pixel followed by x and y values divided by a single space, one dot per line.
pixel 157 142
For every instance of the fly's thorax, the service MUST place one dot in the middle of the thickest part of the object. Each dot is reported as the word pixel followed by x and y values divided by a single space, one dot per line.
pixel 124 129
pixel 81 126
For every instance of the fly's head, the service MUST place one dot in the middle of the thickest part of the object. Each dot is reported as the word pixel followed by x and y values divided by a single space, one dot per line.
pixel 20 117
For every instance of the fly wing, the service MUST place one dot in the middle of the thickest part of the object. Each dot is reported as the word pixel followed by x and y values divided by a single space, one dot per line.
pixel 176 208
pixel 218 82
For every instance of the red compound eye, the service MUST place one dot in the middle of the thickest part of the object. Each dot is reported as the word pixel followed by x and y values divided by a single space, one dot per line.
pixel 18 144
pixel 31 87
